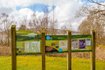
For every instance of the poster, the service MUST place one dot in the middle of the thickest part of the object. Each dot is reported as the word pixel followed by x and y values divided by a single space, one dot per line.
pixel 52 46
pixel 88 42
pixel 32 47
pixel 62 45
pixel 82 44
pixel 75 44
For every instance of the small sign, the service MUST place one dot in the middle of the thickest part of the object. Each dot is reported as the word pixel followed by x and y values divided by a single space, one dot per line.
pixel 75 44
pixel 63 44
pixel 88 42
pixel 32 47
pixel 82 44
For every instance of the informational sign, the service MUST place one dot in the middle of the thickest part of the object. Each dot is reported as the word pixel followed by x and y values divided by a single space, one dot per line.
pixel 88 42
pixel 60 43
pixel 75 44
pixel 52 46
pixel 63 44
pixel 26 42
pixel 32 47
pixel 54 43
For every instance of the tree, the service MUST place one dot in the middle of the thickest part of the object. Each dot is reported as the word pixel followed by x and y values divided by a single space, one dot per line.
pixel 5 23
pixel 93 1
pixel 42 24
pixel 94 21
pixel 23 27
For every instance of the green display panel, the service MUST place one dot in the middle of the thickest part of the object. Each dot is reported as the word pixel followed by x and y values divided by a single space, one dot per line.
pixel 29 43
pixel 78 43
pixel 61 37
pixel 26 43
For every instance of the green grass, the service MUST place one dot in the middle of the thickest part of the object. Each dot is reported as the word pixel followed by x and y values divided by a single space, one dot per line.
pixel 23 32
pixel 52 63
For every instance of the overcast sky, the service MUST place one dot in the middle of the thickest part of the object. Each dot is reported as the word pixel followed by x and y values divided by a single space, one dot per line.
pixel 64 10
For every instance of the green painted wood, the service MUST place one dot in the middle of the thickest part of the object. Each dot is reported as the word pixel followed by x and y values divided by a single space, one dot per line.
pixel 53 37
pixel 13 45
pixel 54 52
pixel 81 50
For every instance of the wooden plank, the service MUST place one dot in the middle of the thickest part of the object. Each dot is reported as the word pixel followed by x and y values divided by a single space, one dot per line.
pixel 74 51
pixel 63 37
pixel 69 51
pixel 81 50
pixel 43 51
pixel 13 45
pixel 93 50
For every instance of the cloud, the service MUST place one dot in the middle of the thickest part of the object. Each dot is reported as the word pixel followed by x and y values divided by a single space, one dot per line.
pixel 6 10
pixel 75 24
pixel 26 11
pixel 14 3
pixel 64 10
pixel 36 7
pixel 21 14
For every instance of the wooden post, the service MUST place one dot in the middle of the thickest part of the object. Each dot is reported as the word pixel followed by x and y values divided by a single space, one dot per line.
pixel 69 51
pixel 13 46
pixel 43 51
pixel 93 49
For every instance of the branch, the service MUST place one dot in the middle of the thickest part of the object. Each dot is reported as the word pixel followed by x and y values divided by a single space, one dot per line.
pixel 96 2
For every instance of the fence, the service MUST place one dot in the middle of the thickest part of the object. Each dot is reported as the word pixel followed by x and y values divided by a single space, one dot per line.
pixel 43 43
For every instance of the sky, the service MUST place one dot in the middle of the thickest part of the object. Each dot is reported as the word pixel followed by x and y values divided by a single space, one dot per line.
pixel 64 10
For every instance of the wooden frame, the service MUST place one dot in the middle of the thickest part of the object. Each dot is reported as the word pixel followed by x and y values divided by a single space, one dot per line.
pixel 69 51
pixel 43 51
pixel 13 45
pixel 93 50
pixel 43 43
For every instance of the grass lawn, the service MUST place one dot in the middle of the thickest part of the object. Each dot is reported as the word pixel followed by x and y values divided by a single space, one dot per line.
pixel 52 63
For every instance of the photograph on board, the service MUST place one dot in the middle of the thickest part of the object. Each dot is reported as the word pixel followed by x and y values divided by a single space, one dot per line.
pixel 82 44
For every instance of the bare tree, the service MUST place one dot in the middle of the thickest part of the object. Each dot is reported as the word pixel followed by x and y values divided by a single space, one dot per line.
pixel 5 29
pixel 94 21
pixel 42 24
pixel 23 27
pixel 93 1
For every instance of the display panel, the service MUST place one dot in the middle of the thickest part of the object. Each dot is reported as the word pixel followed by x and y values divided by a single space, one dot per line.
pixel 59 43
pixel 26 43
pixel 29 43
